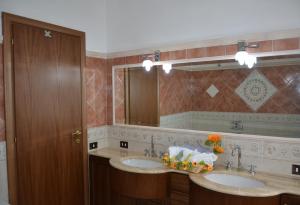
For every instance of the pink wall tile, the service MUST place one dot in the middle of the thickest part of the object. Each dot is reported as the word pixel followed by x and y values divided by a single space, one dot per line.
pixel 164 56
pixel 286 44
pixel 179 54
pixel 231 49
pixel 215 51
pixel 120 96
pixel 109 113
pixel 96 91
pixel 196 53
pixel 119 61
pixel 133 59
pixel 174 92
pixel 264 46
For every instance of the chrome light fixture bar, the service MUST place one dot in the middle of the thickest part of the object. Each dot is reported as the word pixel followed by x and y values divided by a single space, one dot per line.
pixel 243 57
pixel 148 62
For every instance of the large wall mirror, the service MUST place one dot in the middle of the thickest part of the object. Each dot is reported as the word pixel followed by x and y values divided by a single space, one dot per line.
pixel 219 96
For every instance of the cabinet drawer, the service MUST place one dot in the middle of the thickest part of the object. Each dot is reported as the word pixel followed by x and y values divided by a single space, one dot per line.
pixel 179 198
pixel 287 199
pixel 179 182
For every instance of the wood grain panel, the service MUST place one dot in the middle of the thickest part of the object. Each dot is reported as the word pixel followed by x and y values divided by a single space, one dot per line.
pixel 48 106
pixel 202 196
pixel 36 115
pixel 288 199
pixel 142 102
pixel 69 119
pixel 99 181
pixel 140 186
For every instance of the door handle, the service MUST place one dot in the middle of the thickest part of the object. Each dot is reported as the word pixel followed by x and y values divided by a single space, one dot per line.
pixel 76 136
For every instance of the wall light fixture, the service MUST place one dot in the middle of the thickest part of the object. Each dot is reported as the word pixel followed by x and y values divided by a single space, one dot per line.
pixel 148 60
pixel 243 57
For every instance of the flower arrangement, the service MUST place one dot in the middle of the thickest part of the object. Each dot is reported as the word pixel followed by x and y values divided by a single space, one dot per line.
pixel 185 159
pixel 215 141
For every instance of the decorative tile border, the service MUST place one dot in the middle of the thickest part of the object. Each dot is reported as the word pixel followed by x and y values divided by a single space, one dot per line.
pixel 270 154
pixel 284 125
pixel 98 134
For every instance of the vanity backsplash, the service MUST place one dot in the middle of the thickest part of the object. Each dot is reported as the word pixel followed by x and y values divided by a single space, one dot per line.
pixel 3 174
pixel 268 154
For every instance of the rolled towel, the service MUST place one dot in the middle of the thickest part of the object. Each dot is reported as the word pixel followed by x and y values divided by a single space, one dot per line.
pixel 174 151
pixel 208 158
pixel 199 148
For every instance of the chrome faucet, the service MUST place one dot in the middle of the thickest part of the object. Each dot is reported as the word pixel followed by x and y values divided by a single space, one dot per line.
pixel 228 165
pixel 252 169
pixel 146 152
pixel 239 151
pixel 153 152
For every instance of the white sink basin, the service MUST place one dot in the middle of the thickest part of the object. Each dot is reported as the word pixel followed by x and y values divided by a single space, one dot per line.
pixel 234 181
pixel 143 163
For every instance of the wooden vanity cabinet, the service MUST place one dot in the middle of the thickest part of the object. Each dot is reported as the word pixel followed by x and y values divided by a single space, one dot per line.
pixel 180 191
pixel 99 181
pixel 179 188
pixel 203 196
pixel 288 199
pixel 101 192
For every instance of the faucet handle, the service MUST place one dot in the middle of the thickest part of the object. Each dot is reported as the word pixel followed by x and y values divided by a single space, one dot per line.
pixel 252 169
pixel 228 165
pixel 146 153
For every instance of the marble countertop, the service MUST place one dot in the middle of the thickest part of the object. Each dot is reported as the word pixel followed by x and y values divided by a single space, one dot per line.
pixel 274 184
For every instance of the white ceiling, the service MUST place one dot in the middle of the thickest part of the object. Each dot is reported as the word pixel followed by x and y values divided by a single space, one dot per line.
pixel 119 25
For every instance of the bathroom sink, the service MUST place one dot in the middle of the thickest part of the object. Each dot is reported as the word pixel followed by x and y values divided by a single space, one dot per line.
pixel 143 163
pixel 234 181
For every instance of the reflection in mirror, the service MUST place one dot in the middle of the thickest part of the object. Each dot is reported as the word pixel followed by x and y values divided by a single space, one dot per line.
pixel 219 96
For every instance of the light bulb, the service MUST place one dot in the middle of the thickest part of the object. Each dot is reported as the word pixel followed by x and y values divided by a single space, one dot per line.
pixel 167 67
pixel 147 64
pixel 251 61
pixel 241 57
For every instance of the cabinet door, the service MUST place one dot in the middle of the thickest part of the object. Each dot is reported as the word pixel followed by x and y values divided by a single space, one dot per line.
pixel 288 199
pixel 99 181
pixel 178 189
pixel 203 196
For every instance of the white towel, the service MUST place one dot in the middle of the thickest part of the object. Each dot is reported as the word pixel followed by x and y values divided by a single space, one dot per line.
pixel 192 155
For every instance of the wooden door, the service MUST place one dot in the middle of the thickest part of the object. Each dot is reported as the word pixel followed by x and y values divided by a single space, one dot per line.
pixel 142 100
pixel 48 109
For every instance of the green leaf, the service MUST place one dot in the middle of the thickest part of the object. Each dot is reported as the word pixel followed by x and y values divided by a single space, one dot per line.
pixel 208 143
pixel 179 156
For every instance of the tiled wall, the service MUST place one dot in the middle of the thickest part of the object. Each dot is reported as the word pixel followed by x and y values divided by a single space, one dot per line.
pixel 119 95
pixel 284 78
pixel 175 92
pixel 282 125
pixel 269 154
pixel 183 91
pixel 96 91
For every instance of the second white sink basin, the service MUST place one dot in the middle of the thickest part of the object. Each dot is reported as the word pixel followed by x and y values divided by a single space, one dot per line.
pixel 143 163
pixel 234 181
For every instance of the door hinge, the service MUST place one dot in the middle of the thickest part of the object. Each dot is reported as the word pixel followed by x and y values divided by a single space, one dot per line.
pixel 12 41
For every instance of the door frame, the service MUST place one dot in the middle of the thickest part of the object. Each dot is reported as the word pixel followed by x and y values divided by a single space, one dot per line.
pixel 8 20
